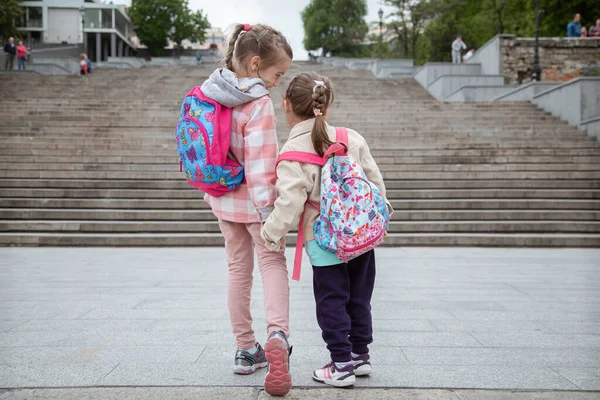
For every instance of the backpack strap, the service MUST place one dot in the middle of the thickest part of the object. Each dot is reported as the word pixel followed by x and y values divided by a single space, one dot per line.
pixel 300 156
pixel 310 158
pixel 341 136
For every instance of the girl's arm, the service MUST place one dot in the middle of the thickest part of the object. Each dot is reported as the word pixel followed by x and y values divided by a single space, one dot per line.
pixel 260 154
pixel 371 169
pixel 289 206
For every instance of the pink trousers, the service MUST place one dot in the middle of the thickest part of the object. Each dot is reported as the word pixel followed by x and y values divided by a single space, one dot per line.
pixel 241 241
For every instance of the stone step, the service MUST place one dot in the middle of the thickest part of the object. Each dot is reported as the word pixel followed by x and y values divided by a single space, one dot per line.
pixel 394 175
pixel 410 204
pixel 167 156
pixel 214 239
pixel 106 171
pixel 417 143
pixel 106 214
pixel 407 160
pixel 83 226
pixel 390 184
pixel 207 215
pixel 385 128
pixel 384 168
pixel 190 193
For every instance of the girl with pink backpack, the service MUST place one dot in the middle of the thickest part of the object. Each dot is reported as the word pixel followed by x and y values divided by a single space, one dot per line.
pixel 228 147
pixel 338 204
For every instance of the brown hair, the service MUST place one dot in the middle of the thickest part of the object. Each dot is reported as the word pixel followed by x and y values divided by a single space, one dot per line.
pixel 259 40
pixel 305 97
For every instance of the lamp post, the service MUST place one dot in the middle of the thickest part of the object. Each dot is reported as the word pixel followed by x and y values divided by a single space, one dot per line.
pixel 82 13
pixel 380 12
pixel 535 69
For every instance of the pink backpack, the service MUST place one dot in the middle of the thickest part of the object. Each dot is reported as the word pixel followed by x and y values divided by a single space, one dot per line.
pixel 202 138
pixel 353 216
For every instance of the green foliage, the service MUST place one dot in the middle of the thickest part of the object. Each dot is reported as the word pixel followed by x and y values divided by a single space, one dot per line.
pixel 425 29
pixel 10 13
pixel 159 20
pixel 335 25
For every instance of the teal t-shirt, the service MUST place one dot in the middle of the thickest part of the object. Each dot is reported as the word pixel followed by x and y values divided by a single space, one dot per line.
pixel 319 257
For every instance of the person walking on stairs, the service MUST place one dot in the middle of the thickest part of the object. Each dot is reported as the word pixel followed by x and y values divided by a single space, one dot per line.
pixel 257 57
pixel 457 46
pixel 342 288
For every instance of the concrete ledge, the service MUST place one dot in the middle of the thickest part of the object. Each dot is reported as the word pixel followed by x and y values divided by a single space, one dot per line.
pixel 575 101
pixel 133 62
pixel 54 66
pixel 396 73
pixel 381 68
pixel 432 71
pixel 446 85
pixel 527 92
pixel 479 93
pixel 592 126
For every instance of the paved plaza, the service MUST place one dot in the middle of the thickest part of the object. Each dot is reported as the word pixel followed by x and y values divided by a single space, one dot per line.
pixel 444 318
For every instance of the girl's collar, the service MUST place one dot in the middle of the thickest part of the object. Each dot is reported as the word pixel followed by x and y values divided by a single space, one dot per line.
pixel 301 128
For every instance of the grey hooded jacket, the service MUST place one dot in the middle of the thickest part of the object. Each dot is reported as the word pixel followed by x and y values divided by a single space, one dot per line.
pixel 226 88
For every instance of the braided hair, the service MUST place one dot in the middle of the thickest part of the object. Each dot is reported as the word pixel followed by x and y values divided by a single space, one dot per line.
pixel 310 96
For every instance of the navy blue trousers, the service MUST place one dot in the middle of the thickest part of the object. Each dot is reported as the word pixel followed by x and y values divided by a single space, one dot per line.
pixel 343 298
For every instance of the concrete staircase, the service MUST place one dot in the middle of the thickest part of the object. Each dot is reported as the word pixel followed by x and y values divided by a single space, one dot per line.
pixel 90 161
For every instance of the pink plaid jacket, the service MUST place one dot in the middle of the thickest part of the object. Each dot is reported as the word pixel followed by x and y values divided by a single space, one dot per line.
pixel 254 145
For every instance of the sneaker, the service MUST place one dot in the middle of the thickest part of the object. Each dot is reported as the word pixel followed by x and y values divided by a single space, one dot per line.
pixel 362 365
pixel 334 376
pixel 247 362
pixel 278 381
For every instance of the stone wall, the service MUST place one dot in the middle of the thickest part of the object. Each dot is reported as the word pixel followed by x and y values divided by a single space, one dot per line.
pixel 561 59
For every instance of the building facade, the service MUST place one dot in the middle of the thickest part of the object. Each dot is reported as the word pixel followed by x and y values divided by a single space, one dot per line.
pixel 103 30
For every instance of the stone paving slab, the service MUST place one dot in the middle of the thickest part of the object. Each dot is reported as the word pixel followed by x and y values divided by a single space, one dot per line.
pixel 443 318
pixel 243 393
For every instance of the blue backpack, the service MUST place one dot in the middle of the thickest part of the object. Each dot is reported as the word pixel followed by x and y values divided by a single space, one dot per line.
pixel 202 137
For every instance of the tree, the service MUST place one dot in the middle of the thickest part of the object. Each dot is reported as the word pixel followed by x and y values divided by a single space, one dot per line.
pixel 159 20
pixel 190 26
pixel 409 19
pixel 480 20
pixel 335 25
pixel 10 13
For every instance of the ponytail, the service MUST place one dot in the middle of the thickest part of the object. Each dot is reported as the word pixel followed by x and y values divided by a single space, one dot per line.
pixel 320 136
pixel 231 46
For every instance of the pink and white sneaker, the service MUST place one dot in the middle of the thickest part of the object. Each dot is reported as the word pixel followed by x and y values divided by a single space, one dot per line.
pixel 278 381
pixel 333 375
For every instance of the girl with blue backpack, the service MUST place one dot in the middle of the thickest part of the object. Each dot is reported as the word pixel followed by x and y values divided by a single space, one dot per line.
pixel 331 189
pixel 228 147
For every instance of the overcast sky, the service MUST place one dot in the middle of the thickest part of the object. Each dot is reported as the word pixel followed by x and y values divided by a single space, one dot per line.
pixel 283 15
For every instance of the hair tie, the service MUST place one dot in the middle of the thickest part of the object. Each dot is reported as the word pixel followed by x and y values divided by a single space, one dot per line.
pixel 317 84
pixel 318 113
pixel 245 29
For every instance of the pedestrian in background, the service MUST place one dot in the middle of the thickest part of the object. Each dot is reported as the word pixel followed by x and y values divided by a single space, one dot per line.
pixel 21 53
pixel 574 27
pixel 457 46
pixel 595 29
pixel 11 51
